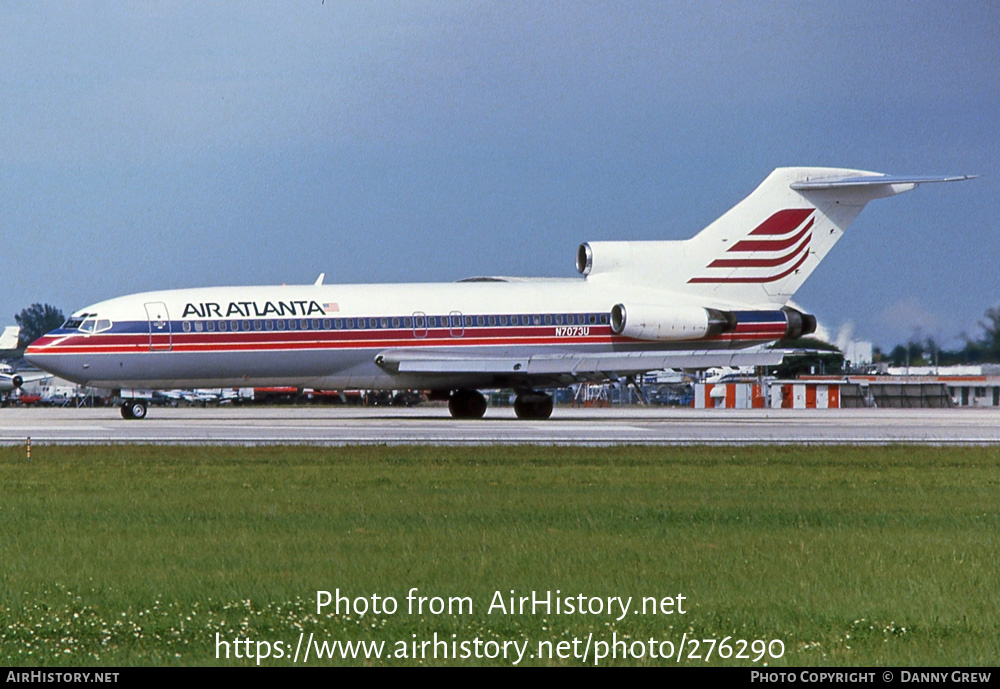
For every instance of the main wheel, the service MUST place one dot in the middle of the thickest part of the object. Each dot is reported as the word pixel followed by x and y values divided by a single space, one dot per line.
pixel 467 404
pixel 134 409
pixel 533 405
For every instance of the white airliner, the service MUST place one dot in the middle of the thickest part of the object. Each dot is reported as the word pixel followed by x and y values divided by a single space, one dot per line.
pixel 712 300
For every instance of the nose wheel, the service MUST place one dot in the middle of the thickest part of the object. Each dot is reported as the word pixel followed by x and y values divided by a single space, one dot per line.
pixel 134 409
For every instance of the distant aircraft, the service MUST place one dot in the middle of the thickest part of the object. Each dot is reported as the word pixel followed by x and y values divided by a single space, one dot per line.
pixel 9 380
pixel 712 300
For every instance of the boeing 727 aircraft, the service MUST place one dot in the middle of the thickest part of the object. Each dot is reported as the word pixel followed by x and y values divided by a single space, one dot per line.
pixel 712 300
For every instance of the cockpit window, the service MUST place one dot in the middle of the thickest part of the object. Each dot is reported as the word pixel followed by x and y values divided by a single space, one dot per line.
pixel 91 325
pixel 72 323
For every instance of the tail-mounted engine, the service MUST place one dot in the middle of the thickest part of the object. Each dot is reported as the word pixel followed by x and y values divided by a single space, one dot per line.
pixel 635 259
pixel 678 323
pixel 669 323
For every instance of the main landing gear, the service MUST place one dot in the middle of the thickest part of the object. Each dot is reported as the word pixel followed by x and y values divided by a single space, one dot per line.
pixel 134 409
pixel 531 404
pixel 467 404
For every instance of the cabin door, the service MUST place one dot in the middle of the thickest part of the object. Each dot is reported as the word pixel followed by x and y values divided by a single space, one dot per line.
pixel 160 337
pixel 419 324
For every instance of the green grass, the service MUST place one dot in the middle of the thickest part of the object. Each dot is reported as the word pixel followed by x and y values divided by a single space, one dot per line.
pixel 134 555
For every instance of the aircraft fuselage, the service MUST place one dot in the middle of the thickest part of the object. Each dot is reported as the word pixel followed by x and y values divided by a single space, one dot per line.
pixel 329 337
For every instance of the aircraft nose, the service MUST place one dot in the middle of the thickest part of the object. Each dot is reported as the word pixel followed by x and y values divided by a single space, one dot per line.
pixel 36 357
pixel 39 355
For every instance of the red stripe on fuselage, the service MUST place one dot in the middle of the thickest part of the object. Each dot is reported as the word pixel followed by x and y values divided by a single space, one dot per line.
pixel 269 341
pixel 218 342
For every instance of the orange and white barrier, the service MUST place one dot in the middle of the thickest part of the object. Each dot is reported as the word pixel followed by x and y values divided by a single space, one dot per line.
pixel 775 395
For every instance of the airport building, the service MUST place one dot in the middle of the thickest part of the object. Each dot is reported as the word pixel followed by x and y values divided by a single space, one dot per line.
pixel 977 387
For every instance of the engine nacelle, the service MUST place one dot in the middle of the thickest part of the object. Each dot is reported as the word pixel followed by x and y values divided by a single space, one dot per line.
pixel 635 258
pixel 799 323
pixel 677 323
pixel 669 323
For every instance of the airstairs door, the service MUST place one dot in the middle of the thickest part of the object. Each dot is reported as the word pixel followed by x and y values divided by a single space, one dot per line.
pixel 160 337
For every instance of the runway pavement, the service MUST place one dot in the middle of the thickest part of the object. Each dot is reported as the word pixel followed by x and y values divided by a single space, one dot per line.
pixel 433 426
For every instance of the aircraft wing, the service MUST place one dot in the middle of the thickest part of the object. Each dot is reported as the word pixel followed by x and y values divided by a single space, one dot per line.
pixel 32 377
pixel 567 366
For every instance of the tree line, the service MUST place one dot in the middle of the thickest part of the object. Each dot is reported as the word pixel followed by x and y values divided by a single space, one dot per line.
pixel 984 349
pixel 35 321
pixel 812 355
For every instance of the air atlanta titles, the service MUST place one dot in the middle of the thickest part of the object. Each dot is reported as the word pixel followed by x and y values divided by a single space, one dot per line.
pixel 254 309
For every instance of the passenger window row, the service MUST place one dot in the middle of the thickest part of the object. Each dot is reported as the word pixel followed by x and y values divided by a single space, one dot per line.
pixel 418 322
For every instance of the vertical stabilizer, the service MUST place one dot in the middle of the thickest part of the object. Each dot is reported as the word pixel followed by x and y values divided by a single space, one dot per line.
pixel 764 248
pixel 9 337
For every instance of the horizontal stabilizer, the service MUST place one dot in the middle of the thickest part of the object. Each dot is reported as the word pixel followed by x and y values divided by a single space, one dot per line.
pixel 872 180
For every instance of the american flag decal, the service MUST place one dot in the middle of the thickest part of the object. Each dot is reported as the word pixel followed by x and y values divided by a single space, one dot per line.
pixel 331 306
pixel 779 244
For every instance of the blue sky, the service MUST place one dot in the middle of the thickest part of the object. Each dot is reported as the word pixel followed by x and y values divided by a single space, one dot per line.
pixel 151 145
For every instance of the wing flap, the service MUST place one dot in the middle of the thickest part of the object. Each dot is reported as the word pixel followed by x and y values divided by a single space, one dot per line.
pixel 460 365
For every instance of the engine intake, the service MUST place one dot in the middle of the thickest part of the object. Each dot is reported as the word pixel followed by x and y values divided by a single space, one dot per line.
pixel 584 259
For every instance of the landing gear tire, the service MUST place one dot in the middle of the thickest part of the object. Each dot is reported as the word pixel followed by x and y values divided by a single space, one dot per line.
pixel 134 409
pixel 467 404
pixel 533 405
